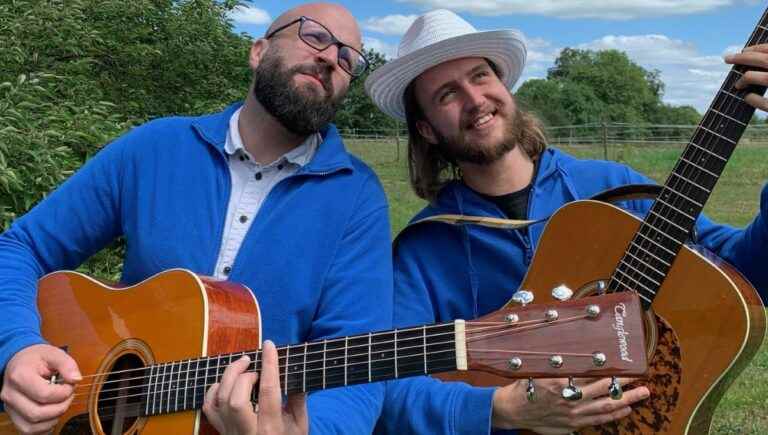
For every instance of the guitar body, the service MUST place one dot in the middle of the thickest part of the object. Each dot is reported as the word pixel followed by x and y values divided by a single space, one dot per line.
pixel 175 315
pixel 704 326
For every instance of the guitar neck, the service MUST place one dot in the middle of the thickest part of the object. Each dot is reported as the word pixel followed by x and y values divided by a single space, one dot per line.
pixel 359 359
pixel 672 216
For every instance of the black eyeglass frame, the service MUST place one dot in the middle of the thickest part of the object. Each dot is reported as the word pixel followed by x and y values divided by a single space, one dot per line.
pixel 334 41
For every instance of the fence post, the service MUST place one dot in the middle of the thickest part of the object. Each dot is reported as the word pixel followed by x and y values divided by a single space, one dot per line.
pixel 397 141
pixel 605 140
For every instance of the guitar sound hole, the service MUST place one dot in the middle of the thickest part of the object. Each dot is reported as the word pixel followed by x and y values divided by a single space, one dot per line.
pixel 121 399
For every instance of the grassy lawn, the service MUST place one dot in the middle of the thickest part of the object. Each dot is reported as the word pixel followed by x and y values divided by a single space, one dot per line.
pixel 734 201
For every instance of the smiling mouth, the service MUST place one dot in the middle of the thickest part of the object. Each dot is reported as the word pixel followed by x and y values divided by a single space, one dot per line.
pixel 316 80
pixel 483 120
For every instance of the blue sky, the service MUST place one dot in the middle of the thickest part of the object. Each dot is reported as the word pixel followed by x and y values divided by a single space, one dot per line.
pixel 684 39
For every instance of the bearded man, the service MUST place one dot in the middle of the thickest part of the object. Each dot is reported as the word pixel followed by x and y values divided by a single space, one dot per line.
pixel 473 151
pixel 263 194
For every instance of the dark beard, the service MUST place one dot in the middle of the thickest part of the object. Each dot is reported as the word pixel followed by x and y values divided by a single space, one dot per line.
pixel 457 149
pixel 300 109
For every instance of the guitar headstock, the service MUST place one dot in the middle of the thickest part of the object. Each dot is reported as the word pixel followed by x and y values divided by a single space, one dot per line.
pixel 597 336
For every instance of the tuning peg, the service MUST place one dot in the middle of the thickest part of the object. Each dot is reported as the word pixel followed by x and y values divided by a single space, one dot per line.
pixel 522 297
pixel 562 293
pixel 530 391
pixel 614 390
pixel 571 392
pixel 601 287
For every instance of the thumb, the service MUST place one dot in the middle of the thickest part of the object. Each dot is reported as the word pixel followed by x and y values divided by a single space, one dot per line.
pixel 60 362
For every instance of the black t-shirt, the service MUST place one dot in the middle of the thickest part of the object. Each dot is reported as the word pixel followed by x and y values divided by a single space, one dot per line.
pixel 514 204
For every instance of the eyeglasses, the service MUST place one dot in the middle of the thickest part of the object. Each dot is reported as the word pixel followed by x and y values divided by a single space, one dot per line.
pixel 320 38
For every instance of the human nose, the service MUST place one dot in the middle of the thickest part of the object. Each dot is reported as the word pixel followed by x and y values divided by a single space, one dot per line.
pixel 474 98
pixel 329 55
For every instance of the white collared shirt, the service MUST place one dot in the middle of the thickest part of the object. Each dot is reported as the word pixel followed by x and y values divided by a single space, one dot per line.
pixel 251 183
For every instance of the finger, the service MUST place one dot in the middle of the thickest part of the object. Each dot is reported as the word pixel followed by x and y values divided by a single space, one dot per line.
pixel 270 399
pixel 600 388
pixel 759 47
pixel 748 58
pixel 607 405
pixel 211 408
pixel 30 383
pixel 759 78
pixel 34 412
pixel 757 102
pixel 297 409
pixel 228 379
pixel 240 406
pixel 599 419
pixel 60 362
pixel 26 427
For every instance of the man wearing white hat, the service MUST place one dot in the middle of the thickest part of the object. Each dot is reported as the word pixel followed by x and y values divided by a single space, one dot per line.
pixel 472 151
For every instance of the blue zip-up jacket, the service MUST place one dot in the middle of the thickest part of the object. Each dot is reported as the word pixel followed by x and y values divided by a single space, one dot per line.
pixel 317 255
pixel 445 272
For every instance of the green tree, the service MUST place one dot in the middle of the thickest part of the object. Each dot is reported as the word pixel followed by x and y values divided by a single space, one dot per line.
pixel 75 74
pixel 358 111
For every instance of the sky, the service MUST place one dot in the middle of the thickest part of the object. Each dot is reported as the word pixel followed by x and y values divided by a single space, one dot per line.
pixel 684 39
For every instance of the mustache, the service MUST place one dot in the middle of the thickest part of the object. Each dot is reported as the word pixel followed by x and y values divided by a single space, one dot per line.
pixel 322 73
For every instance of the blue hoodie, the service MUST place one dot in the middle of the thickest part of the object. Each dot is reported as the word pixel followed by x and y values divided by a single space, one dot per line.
pixel 317 255
pixel 445 272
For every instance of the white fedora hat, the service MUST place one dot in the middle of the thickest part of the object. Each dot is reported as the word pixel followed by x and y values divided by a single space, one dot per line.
pixel 436 37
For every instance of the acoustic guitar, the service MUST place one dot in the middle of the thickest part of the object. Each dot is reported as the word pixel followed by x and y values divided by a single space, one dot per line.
pixel 704 321
pixel 149 352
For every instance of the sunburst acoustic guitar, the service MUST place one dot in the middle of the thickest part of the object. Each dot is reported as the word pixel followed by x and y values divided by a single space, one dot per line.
pixel 704 321
pixel 149 352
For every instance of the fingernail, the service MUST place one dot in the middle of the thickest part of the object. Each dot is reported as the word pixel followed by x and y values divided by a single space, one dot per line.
pixel 268 342
pixel 728 57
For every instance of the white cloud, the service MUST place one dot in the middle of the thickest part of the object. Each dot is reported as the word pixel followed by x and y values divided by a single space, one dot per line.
pixel 249 15
pixel 388 50
pixel 390 24
pixel 600 9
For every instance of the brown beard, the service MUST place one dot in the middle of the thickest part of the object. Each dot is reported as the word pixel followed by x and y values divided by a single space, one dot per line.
pixel 457 149
pixel 300 109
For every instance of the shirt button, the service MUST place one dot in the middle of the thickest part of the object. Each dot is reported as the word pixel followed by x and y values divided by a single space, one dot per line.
pixel 257 176
pixel 279 167
pixel 243 219
pixel 227 270
pixel 242 158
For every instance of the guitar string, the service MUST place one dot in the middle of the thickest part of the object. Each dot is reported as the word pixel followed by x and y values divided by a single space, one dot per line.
pixel 688 172
pixel 514 330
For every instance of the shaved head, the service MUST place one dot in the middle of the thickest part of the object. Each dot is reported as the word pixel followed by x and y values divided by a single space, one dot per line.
pixel 335 17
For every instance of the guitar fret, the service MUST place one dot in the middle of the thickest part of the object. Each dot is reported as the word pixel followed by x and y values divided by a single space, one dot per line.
pixel 658 244
pixel 395 354
pixel 370 368
pixel 287 368
pixel 668 221
pixel 304 371
pixel 691 182
pixel 726 116
pixel 633 280
pixel 718 135
pixel 150 384
pixel 649 253
pixel 628 288
pixel 732 95
pixel 346 358
pixel 706 171
pixel 643 262
pixel 675 209
pixel 424 336
pixel 640 272
pixel 325 354
pixel 194 386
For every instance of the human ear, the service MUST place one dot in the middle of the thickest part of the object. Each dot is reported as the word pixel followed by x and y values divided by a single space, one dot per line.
pixel 425 129
pixel 258 48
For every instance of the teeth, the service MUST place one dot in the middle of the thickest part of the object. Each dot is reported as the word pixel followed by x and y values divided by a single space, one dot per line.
pixel 483 120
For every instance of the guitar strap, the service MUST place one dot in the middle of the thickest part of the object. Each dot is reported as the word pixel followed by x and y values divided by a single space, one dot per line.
pixel 622 193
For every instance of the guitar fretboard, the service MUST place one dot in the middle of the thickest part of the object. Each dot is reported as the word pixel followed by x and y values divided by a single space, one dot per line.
pixel 379 356
pixel 672 216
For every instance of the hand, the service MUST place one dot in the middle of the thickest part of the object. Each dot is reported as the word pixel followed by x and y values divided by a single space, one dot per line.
pixel 228 403
pixel 551 414
pixel 756 56
pixel 31 401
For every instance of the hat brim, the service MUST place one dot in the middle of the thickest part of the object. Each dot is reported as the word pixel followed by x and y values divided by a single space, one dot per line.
pixel 505 48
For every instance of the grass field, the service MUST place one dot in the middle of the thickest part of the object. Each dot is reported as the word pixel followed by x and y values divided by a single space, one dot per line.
pixel 744 409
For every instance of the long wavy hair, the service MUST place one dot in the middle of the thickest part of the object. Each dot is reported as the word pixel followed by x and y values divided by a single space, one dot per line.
pixel 429 169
